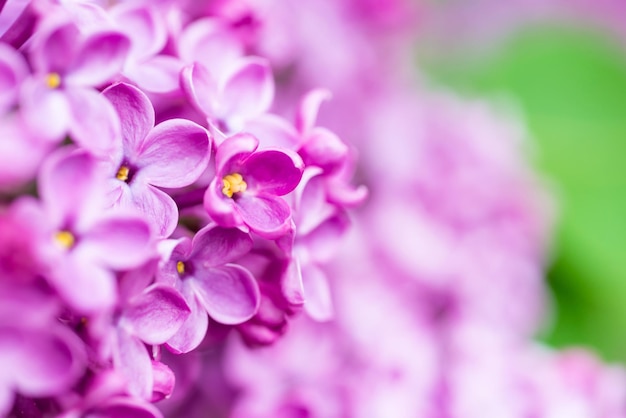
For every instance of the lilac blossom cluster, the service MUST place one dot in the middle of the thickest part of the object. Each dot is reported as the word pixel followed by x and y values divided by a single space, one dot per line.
pixel 150 201
pixel 175 183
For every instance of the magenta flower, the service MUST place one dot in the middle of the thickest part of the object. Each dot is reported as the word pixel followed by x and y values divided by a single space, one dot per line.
pixel 60 97
pixel 151 317
pixel 38 356
pixel 202 270
pixel 172 154
pixel 248 184
pixel 80 243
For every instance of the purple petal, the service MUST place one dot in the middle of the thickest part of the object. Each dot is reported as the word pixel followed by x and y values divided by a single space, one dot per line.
pixel 46 112
pixel 273 131
pixel 158 207
pixel 324 149
pixel 157 314
pixel 13 70
pixel 200 87
pixel 207 38
pixel 231 153
pixel 160 74
pixel 84 286
pixel 135 113
pixel 175 153
pixel 219 207
pixel 131 358
pixel 193 330
pixel 291 284
pixel 45 361
pixel 144 28
pixel 6 399
pixel 249 90
pixel 318 302
pixel 309 108
pixel 273 171
pixel 118 243
pixel 123 407
pixel 55 49
pixel 94 124
pixel 101 57
pixel 268 216
pixel 67 182
pixel 215 246
pixel 229 294
pixel 164 380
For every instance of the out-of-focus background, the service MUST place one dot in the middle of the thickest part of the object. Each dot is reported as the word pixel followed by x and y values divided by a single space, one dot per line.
pixel 563 68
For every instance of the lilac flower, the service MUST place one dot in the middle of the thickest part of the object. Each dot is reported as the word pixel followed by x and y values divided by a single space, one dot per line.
pixel 79 242
pixel 247 186
pixel 171 154
pixel 60 98
pixel 38 356
pixel 151 317
pixel 202 270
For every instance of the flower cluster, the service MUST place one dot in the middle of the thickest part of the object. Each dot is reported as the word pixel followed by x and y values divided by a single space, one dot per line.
pixel 149 200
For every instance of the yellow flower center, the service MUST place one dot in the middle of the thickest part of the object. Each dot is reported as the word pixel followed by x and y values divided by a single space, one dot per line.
pixel 53 80
pixel 180 267
pixel 233 183
pixel 122 173
pixel 65 239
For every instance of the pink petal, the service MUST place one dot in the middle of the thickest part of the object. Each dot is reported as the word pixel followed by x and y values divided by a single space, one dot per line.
pixel 158 207
pixel 46 112
pixel 160 74
pixel 143 26
pixel 249 90
pixel 231 153
pixel 275 172
pixel 193 330
pixel 164 380
pixel 118 242
pixel 268 216
pixel 100 58
pixel 219 207
pixel 175 153
pixel 55 49
pixel 318 302
pixel 273 131
pixel 201 88
pixel 6 399
pixel 214 246
pixel 13 71
pixel 157 314
pixel 309 108
pixel 324 149
pixel 229 294
pixel 131 358
pixel 94 124
pixel 135 113
pixel 68 185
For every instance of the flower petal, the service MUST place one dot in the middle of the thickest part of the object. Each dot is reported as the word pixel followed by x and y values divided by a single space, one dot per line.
pixel 100 58
pixel 131 358
pixel 215 246
pixel 118 242
pixel 175 153
pixel 94 124
pixel 233 151
pixel 200 87
pixel 249 90
pixel 318 302
pixel 46 112
pixel 219 207
pixel 143 26
pixel 158 207
pixel 159 74
pixel 193 330
pixel 135 112
pixel 276 172
pixel 56 47
pixel 268 216
pixel 157 314
pixel 13 70
pixel 229 293
pixel 309 108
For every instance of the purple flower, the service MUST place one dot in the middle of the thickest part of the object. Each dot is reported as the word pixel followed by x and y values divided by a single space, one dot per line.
pixel 78 240
pixel 151 317
pixel 38 356
pixel 172 154
pixel 202 270
pixel 248 183
pixel 60 97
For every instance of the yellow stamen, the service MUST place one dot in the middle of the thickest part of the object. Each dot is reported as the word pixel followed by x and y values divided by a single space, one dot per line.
pixel 233 183
pixel 65 238
pixel 122 173
pixel 53 80
pixel 180 267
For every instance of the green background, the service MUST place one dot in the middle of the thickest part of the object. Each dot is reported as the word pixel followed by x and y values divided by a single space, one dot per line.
pixel 570 84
